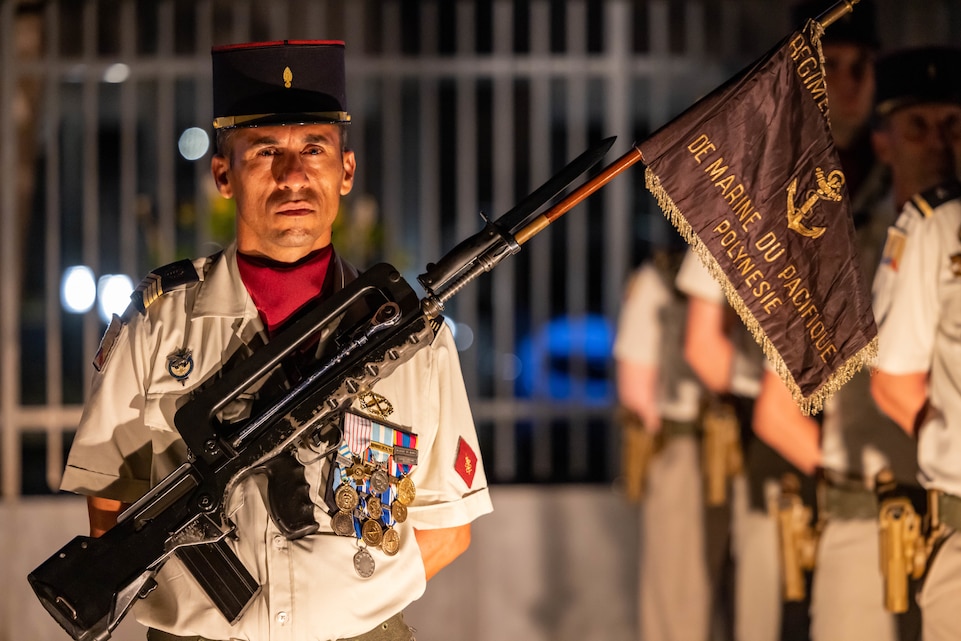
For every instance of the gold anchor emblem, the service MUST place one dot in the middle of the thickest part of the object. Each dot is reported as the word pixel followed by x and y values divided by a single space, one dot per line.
pixel 829 188
pixel 288 77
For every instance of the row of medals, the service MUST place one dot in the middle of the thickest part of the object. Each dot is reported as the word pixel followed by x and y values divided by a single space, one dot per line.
pixel 370 510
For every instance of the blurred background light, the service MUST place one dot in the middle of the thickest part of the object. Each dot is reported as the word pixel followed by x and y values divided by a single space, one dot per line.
pixel 116 73
pixel 463 334
pixel 193 143
pixel 113 294
pixel 78 291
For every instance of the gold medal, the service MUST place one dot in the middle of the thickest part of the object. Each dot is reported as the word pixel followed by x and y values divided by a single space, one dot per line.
pixel 406 490
pixel 391 542
pixel 358 471
pixel 374 507
pixel 398 511
pixel 346 498
pixel 372 532
pixel 342 523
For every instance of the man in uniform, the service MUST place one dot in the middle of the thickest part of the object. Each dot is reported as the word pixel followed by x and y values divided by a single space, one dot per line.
pixel 856 440
pixel 659 391
pixel 281 119
pixel 919 363
pixel 729 363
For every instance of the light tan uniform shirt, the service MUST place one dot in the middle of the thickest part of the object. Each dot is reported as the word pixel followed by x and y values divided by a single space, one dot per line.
pixel 921 332
pixel 127 442
pixel 646 328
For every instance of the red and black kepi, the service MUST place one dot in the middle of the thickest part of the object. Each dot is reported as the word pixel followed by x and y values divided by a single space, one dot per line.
pixel 279 83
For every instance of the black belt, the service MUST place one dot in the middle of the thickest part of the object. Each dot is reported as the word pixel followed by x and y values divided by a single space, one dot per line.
pixel 849 502
pixel 949 510
pixel 671 429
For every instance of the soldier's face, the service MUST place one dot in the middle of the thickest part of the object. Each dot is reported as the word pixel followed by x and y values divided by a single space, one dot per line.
pixel 850 83
pixel 922 145
pixel 287 181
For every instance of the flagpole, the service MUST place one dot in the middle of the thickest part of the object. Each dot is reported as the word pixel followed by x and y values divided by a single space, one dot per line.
pixel 578 195
pixel 836 12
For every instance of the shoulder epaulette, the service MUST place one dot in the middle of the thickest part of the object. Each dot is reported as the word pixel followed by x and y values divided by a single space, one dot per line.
pixel 162 280
pixel 929 200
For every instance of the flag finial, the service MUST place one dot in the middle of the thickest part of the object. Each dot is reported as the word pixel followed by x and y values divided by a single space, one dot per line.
pixel 836 12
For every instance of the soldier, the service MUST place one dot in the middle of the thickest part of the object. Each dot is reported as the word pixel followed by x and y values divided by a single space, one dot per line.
pixel 406 474
pixel 856 441
pixel 729 364
pixel 661 398
pixel 917 377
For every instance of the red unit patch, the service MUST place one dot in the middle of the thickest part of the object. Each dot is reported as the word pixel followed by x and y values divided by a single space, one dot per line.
pixel 466 463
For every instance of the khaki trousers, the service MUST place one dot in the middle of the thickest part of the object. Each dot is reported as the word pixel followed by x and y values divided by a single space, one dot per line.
pixel 757 571
pixel 847 595
pixel 940 596
pixel 675 595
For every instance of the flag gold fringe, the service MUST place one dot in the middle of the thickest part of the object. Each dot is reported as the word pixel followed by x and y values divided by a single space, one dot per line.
pixel 808 405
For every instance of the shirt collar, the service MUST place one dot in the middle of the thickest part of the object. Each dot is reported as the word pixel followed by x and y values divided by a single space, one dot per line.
pixel 222 292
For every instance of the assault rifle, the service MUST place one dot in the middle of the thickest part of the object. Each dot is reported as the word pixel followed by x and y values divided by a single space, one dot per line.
pixel 368 329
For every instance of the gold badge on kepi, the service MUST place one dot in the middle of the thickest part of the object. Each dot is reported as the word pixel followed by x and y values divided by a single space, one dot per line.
pixel 180 364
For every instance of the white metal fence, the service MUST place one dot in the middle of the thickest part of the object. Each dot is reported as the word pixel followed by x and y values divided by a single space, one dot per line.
pixel 458 107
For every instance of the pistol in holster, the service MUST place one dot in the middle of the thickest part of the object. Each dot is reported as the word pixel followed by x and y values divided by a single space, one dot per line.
pixel 904 548
pixel 722 457
pixel 638 446
pixel 798 538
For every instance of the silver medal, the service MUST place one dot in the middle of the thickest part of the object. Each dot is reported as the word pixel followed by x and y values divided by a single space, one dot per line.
pixel 364 563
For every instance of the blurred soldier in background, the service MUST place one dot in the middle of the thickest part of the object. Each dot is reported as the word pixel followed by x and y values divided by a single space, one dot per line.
pixel 659 398
pixel 916 382
pixel 855 442
pixel 729 363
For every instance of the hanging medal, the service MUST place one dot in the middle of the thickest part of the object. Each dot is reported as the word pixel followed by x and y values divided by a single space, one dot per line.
pixel 403 460
pixel 381 447
pixel 363 562
pixel 345 496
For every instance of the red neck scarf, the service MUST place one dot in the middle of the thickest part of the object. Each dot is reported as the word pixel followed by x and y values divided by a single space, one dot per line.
pixel 280 289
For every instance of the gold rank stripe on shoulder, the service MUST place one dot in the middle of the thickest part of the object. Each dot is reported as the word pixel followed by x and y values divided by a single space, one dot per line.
pixel 162 280
pixel 151 288
pixel 927 201
pixel 436 323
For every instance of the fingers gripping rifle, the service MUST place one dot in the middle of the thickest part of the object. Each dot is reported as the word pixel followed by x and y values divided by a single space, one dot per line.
pixel 369 328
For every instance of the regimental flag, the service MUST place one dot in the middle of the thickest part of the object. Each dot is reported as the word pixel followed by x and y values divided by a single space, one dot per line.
pixel 750 177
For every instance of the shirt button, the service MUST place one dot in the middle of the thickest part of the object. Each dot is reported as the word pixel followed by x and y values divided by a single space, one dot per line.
pixel 280 542
pixel 282 617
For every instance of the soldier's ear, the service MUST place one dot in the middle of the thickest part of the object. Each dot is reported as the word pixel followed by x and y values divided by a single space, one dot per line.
pixel 220 169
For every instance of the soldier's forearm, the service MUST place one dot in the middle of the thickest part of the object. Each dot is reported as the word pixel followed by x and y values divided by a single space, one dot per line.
pixel 438 548
pixel 103 514
pixel 901 396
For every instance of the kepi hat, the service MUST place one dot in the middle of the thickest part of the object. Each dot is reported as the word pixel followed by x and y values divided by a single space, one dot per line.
pixel 917 76
pixel 279 83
